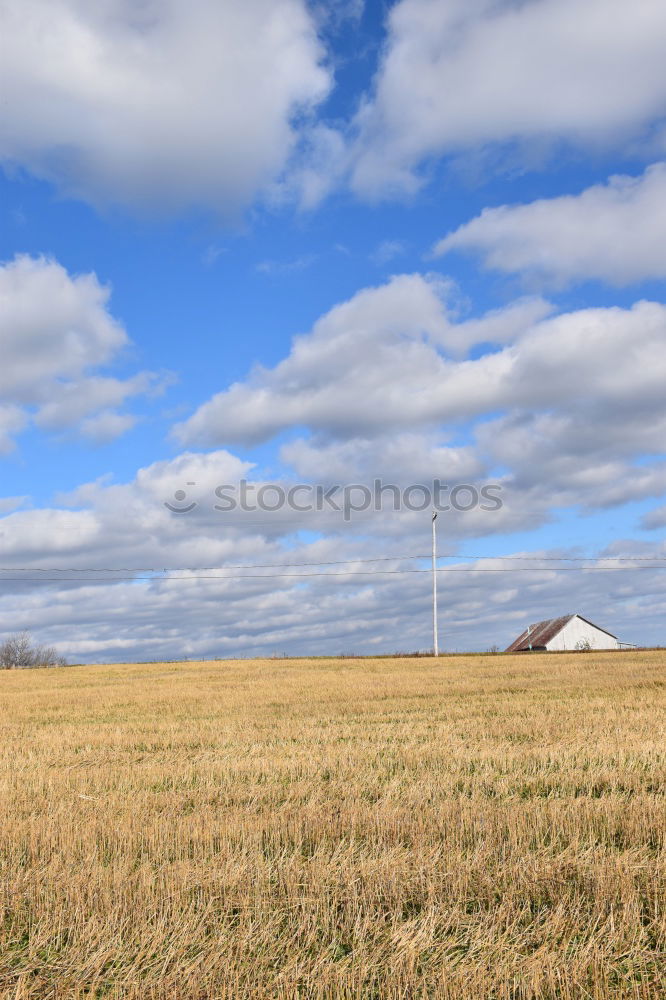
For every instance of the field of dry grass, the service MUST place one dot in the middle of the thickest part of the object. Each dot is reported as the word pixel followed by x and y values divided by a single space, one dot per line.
pixel 479 827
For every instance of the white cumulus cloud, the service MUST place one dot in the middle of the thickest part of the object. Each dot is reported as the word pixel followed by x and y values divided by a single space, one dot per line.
pixel 393 358
pixel 158 103
pixel 336 377
pixel 615 232
pixel 466 74
pixel 391 383
pixel 57 332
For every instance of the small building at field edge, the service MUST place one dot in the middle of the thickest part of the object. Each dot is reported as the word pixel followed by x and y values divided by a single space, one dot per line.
pixel 569 632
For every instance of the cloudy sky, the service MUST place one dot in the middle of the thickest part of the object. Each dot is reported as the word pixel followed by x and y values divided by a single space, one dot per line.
pixel 328 243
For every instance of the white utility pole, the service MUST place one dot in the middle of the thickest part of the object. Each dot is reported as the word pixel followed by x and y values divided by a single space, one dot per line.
pixel 435 638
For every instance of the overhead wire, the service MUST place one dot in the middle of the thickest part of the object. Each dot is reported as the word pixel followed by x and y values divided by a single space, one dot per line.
pixel 303 576
pixel 325 562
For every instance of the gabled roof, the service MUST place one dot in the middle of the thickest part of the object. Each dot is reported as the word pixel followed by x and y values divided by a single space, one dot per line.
pixel 539 635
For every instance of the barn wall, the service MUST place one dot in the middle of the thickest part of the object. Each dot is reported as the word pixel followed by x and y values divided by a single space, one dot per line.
pixel 578 630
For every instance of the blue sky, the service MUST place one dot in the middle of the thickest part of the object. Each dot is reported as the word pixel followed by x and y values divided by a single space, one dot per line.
pixel 459 212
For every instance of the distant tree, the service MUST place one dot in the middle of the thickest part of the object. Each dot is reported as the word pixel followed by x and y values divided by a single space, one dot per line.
pixel 583 645
pixel 18 652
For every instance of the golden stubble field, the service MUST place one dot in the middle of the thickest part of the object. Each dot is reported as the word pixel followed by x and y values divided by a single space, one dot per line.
pixel 477 827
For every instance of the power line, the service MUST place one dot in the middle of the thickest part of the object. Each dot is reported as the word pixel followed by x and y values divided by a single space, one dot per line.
pixel 323 562
pixel 568 558
pixel 303 576
pixel 194 569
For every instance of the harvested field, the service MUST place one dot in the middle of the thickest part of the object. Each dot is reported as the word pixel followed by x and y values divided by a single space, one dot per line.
pixel 476 827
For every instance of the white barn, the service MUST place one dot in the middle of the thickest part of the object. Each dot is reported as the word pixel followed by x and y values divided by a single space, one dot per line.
pixel 567 632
